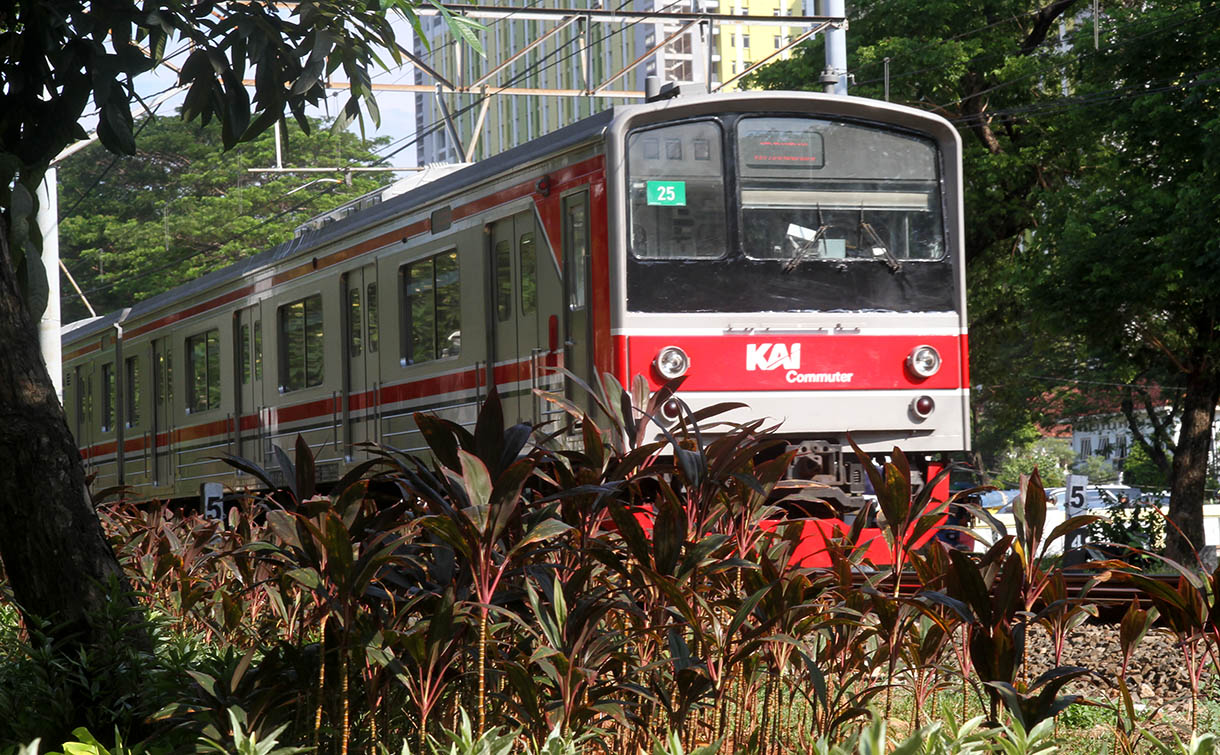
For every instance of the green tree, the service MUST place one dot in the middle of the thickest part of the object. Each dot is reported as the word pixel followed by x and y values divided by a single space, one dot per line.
pixel 1131 253
pixel 183 206
pixel 1050 455
pixel 1098 469
pixel 1139 471
pixel 59 58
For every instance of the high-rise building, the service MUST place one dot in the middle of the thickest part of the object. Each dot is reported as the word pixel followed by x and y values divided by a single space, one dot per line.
pixel 587 54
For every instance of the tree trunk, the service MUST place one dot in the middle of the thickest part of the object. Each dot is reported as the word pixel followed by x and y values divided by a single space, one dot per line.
pixel 61 568
pixel 1190 464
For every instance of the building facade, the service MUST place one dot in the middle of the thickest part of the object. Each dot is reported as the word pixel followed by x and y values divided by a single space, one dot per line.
pixel 585 55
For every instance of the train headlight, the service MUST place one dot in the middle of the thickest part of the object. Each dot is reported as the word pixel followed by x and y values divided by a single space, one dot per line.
pixel 672 362
pixel 923 362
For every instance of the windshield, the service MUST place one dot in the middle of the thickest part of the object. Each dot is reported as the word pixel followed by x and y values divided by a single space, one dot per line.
pixel 814 189
pixel 677 191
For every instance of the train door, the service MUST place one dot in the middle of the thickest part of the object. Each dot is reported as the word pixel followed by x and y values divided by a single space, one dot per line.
pixel 516 340
pixel 578 352
pixel 248 345
pixel 162 412
pixel 362 365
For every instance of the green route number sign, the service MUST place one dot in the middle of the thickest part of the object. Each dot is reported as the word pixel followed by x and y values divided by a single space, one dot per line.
pixel 667 193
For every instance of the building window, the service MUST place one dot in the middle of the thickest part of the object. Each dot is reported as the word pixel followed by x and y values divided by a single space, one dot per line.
pixel 302 363
pixel 107 397
pixel 1086 447
pixel 779 42
pixel 432 322
pixel 132 392
pixel 203 371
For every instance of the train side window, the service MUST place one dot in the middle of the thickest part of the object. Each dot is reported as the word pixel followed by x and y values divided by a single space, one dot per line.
pixel 203 371
pixel 82 400
pixel 432 309
pixel 354 321
pixel 504 280
pixel 576 236
pixel 529 274
pixel 374 334
pixel 132 391
pixel 301 344
pixel 258 349
pixel 245 353
pixel 107 397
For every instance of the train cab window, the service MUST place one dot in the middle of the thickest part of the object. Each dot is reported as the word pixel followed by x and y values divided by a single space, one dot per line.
pixel 814 189
pixel 107 397
pixel 132 392
pixel 374 334
pixel 529 274
pixel 203 371
pixel 432 309
pixel 355 325
pixel 677 198
pixel 504 280
pixel 301 344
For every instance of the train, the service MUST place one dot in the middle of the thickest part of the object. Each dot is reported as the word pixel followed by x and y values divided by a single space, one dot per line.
pixel 800 253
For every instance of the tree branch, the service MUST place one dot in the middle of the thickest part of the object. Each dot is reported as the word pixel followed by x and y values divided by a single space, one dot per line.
pixel 1044 19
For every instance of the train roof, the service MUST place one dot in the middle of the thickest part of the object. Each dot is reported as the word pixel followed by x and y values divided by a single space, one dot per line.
pixel 473 173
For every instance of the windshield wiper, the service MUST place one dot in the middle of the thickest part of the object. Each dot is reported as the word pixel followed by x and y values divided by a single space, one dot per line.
pixel 875 239
pixel 803 246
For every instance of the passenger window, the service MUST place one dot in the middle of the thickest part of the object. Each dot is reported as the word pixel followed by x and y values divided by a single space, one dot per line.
pixel 374 332
pixel 132 393
pixel 107 397
pixel 203 371
pixel 244 350
pixel 301 344
pixel 529 274
pixel 432 309
pixel 355 326
pixel 258 349
pixel 504 280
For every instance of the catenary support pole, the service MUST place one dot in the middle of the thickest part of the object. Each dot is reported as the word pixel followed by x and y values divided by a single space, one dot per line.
pixel 50 322
pixel 836 46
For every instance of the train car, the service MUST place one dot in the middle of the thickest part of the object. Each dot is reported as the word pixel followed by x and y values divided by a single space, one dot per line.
pixel 798 252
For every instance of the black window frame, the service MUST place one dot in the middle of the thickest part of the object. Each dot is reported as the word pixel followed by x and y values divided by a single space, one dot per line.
pixel 313 372
pixel 441 342
pixel 212 396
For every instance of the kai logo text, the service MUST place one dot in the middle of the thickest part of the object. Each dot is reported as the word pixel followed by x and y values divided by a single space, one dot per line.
pixel 773 356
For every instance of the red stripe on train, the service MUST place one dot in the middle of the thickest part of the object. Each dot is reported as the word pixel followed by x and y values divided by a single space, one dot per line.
pixel 799 362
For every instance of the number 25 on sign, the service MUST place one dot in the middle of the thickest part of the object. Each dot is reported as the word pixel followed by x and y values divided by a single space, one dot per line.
pixel 667 193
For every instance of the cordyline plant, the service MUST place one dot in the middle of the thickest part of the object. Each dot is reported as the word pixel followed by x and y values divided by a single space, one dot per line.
pixel 638 582
pixel 995 599
pixel 479 507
